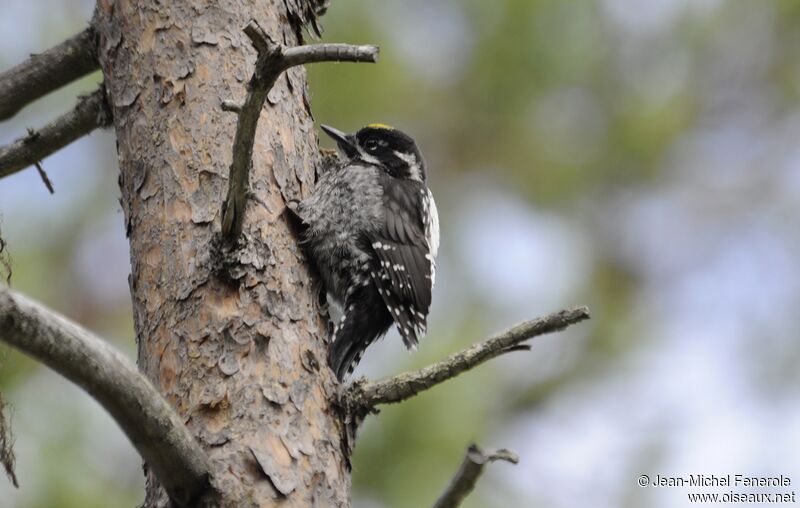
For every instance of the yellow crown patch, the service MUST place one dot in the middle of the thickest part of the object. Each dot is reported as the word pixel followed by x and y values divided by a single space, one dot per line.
pixel 380 126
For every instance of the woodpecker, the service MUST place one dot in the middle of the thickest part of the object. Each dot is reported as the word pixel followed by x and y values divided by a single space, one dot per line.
pixel 372 230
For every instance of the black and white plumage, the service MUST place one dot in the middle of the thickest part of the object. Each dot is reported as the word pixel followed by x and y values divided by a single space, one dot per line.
pixel 372 230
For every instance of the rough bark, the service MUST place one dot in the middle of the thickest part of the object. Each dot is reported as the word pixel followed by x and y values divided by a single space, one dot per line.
pixel 236 346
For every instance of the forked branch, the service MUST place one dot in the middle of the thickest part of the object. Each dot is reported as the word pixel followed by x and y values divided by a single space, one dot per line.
pixel 48 71
pixel 363 396
pixel 273 59
pixel 147 419
pixel 469 472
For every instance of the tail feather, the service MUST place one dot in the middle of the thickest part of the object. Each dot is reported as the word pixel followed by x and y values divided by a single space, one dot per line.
pixel 345 355
pixel 364 321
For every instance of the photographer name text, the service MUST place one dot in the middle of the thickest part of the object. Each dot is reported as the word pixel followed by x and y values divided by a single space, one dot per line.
pixel 726 480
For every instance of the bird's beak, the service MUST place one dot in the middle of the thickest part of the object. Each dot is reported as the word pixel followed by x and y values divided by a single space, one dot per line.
pixel 346 142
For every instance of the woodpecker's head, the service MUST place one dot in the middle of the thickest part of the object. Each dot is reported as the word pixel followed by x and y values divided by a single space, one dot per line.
pixel 384 146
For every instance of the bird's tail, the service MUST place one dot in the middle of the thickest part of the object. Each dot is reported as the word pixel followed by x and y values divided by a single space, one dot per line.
pixel 364 321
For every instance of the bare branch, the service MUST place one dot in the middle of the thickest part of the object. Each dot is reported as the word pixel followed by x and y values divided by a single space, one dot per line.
pixel 273 59
pixel 469 472
pixel 330 52
pixel 90 113
pixel 147 419
pixel 362 396
pixel 48 71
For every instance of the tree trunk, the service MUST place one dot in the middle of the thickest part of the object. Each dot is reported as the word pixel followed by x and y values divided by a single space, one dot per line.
pixel 236 346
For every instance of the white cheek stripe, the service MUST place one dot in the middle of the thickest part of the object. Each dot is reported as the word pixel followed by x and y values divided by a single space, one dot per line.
pixel 368 158
pixel 413 164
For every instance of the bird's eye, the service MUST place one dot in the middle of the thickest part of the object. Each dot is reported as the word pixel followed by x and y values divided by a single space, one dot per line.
pixel 371 145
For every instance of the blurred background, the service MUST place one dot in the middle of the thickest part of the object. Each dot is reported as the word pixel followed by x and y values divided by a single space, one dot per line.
pixel 642 158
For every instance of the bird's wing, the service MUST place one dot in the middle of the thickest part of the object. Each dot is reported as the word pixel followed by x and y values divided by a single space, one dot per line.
pixel 403 271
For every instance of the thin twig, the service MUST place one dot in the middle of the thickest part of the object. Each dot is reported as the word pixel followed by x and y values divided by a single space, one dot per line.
pixel 90 113
pixel 48 71
pixel 147 419
pixel 362 396
pixel 44 177
pixel 469 472
pixel 273 59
